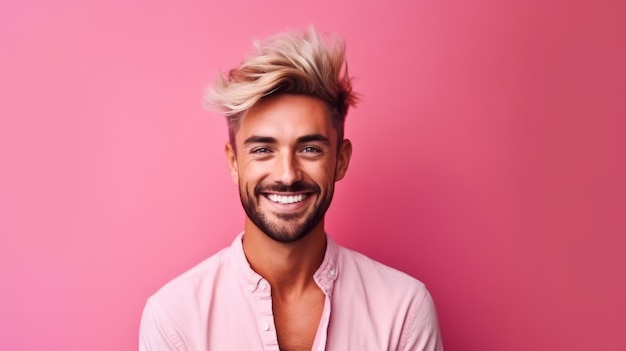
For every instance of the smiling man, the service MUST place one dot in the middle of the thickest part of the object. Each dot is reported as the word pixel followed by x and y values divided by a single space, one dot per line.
pixel 284 284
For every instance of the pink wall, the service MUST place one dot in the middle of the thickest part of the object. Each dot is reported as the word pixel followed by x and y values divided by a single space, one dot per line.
pixel 489 161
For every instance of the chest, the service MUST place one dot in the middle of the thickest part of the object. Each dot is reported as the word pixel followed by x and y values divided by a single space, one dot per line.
pixel 258 321
pixel 297 321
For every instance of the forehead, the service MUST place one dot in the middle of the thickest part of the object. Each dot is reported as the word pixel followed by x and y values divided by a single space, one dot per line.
pixel 287 117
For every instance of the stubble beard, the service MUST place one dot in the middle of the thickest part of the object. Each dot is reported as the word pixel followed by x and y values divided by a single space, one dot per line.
pixel 285 228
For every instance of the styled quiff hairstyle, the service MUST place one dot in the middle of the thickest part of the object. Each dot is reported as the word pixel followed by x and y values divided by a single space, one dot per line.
pixel 287 63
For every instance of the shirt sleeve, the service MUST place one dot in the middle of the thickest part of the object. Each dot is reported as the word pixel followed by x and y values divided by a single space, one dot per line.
pixel 156 333
pixel 422 332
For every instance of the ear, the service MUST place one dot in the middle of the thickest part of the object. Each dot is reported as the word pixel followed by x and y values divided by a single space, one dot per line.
pixel 343 159
pixel 231 158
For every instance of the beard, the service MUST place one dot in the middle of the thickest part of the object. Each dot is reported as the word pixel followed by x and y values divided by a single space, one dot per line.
pixel 290 227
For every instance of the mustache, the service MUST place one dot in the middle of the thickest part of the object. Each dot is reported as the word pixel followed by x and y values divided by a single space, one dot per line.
pixel 282 188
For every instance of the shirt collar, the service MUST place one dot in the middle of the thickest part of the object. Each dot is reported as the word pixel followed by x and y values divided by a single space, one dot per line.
pixel 324 277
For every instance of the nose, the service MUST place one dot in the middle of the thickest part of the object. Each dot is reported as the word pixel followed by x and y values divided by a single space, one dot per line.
pixel 286 169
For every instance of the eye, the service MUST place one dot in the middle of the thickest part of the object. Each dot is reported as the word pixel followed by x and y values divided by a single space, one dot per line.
pixel 260 150
pixel 311 149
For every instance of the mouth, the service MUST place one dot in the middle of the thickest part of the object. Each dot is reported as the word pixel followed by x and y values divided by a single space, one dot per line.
pixel 286 199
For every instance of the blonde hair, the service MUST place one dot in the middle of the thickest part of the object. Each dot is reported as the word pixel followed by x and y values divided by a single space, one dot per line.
pixel 287 63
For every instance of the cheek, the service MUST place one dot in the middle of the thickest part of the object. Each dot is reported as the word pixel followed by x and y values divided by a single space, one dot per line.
pixel 253 173
pixel 321 174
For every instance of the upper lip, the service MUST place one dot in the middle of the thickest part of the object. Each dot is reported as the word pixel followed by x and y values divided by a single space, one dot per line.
pixel 286 194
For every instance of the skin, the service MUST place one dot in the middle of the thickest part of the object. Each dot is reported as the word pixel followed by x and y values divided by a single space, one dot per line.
pixel 287 146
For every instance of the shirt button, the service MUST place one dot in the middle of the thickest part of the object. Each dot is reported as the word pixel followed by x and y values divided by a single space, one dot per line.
pixel 265 326
pixel 263 285
pixel 332 272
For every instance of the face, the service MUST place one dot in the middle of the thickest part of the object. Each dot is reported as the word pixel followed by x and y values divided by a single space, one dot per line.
pixel 286 163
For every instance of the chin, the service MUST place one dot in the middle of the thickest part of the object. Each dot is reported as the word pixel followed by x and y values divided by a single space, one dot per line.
pixel 286 237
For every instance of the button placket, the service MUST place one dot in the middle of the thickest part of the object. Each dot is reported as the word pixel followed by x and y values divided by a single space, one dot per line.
pixel 265 316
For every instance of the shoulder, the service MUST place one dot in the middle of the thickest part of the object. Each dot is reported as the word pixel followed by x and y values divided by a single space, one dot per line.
pixel 198 279
pixel 374 281
pixel 354 264
pixel 176 314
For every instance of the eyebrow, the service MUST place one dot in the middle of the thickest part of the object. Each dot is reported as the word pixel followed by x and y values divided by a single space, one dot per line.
pixel 313 137
pixel 257 139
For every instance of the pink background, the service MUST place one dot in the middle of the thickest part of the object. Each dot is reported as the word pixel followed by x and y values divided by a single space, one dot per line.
pixel 489 160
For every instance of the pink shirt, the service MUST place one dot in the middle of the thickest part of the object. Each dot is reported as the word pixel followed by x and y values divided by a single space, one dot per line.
pixel 222 304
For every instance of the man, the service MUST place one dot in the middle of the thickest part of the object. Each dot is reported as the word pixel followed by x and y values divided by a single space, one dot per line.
pixel 284 284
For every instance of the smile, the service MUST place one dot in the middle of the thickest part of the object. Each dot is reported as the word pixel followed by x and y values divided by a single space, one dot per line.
pixel 290 199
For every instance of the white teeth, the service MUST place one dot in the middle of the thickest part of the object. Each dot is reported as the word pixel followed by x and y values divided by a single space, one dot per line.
pixel 286 199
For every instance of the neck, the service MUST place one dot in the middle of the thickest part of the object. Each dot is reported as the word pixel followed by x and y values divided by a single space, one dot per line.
pixel 288 267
